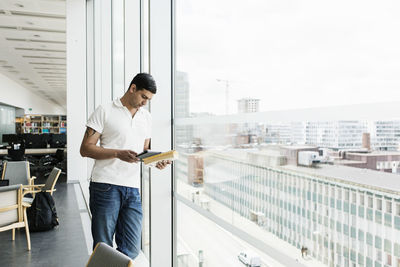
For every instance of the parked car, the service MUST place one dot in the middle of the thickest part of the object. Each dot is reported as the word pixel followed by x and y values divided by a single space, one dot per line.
pixel 249 259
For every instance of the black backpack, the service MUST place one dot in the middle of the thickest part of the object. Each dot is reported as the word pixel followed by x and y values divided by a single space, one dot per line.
pixel 42 215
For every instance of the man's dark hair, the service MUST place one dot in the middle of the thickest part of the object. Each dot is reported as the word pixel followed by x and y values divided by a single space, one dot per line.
pixel 144 81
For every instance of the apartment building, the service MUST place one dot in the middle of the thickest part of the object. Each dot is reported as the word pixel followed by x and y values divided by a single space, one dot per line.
pixel 344 216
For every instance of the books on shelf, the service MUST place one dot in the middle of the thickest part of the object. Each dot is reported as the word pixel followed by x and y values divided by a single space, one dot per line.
pixel 152 157
pixel 41 124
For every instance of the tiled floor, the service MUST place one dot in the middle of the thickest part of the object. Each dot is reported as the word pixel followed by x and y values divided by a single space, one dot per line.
pixel 63 246
pixel 68 245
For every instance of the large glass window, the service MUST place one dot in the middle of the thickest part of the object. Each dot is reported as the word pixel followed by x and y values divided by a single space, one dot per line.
pixel 273 98
pixel 118 48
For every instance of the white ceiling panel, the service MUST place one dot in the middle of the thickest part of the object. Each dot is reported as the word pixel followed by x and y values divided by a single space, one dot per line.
pixel 45 59
pixel 54 24
pixel 33 46
pixel 40 54
pixel 35 35
pixel 49 7
pixel 36 44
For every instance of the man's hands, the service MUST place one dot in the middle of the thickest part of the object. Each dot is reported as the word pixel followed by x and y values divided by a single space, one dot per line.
pixel 130 156
pixel 127 155
pixel 162 164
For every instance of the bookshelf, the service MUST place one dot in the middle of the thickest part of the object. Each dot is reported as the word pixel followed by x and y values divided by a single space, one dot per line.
pixel 32 124
pixel 38 124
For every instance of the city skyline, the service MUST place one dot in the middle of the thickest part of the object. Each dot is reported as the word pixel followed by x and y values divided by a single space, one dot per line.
pixel 367 112
pixel 320 70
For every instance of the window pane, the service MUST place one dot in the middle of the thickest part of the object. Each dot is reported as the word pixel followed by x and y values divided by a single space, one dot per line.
pixel 145 192
pixel 259 121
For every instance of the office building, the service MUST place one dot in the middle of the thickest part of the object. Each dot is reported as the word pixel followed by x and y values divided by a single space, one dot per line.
pixel 387 161
pixel 182 133
pixel 279 133
pixel 335 134
pixel 385 135
pixel 248 105
pixel 344 216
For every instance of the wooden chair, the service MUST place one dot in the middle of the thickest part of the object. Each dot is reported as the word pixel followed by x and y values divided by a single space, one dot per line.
pixel 104 256
pixel 47 187
pixel 13 211
pixel 17 172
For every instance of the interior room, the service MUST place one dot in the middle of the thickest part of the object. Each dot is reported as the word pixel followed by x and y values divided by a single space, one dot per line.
pixel 190 133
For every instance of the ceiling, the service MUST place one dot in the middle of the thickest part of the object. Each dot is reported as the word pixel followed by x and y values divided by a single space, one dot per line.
pixel 33 46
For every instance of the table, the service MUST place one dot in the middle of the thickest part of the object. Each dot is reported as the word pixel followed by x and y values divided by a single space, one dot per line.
pixel 34 151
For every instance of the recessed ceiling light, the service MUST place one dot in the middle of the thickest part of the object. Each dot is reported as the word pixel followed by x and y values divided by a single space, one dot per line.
pixel 36 35
pixel 19 5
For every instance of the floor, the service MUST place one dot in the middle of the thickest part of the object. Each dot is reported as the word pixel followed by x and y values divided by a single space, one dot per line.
pixel 63 246
pixel 70 244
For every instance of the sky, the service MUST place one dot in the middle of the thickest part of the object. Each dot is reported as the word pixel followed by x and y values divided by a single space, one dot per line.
pixel 289 54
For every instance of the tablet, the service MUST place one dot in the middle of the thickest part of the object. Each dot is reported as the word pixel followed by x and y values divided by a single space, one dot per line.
pixel 146 154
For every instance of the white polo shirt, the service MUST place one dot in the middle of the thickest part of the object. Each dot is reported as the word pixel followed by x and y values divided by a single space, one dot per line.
pixel 119 131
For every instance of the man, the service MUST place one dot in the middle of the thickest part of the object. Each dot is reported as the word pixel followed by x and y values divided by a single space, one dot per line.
pixel 124 129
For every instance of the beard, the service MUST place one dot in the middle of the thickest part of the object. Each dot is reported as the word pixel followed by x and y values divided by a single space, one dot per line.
pixel 135 105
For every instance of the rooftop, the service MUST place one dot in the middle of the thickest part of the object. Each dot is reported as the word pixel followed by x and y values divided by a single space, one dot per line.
pixel 377 153
pixel 369 179
pixel 298 147
pixel 348 161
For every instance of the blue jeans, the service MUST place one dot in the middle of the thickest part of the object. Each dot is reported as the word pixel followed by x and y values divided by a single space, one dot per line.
pixel 116 210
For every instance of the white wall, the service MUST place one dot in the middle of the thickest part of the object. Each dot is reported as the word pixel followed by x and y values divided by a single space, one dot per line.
pixel 76 87
pixel 13 94
pixel 103 54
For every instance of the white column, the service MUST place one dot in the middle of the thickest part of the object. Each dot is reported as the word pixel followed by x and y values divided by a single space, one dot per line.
pixel 118 48
pixel 161 186
pixel 76 86
pixel 132 40
pixel 102 52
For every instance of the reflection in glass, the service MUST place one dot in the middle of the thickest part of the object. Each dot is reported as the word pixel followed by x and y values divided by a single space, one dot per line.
pixel 145 192
pixel 275 118
pixel 118 48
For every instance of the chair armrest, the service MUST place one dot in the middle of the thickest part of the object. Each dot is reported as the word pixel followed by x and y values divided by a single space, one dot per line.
pixel 50 191
pixel 25 205
pixel 33 186
pixel 31 189
pixel 32 180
